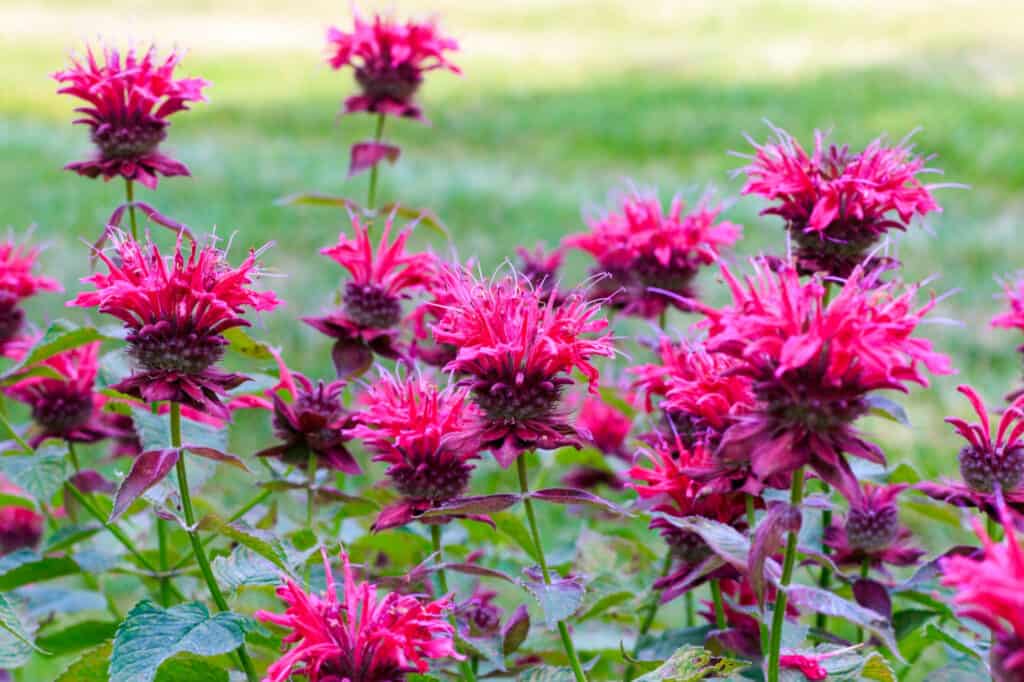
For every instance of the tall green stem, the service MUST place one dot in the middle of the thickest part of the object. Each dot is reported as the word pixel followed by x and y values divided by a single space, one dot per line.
pixel 442 581
pixel 165 581
pixel 129 194
pixel 649 612
pixel 796 496
pixel 563 630
pixel 371 192
pixel 716 596
pixel 193 536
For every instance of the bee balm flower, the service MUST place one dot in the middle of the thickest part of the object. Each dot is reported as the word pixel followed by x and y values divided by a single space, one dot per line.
pixel 872 531
pixel 18 281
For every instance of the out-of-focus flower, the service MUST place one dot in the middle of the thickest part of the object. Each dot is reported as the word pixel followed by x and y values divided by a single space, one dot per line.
pixel 18 281
pixel 605 427
pixel 20 528
pixel 742 634
pixel 990 590
pixel 127 102
pixel 639 249
pixel 814 365
pixel 516 350
pixel 872 531
pixel 389 59
pixel 176 311
pixel 371 310
pixel 837 203
pixel 359 637
pixel 540 266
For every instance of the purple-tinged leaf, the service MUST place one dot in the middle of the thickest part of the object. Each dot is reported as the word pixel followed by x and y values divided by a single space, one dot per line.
pixel 314 199
pixel 886 408
pixel 216 455
pixel 574 496
pixel 822 601
pixel 725 541
pixel 515 631
pixel 813 555
pixel 366 155
pixel 873 595
pixel 90 481
pixel 117 217
pixel 478 570
pixel 351 358
pixel 559 600
pixel 672 586
pixel 477 504
pixel 931 571
pixel 769 537
pixel 148 469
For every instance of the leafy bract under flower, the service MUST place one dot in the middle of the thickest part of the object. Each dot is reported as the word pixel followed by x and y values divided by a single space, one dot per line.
pixel 127 101
pixel 360 636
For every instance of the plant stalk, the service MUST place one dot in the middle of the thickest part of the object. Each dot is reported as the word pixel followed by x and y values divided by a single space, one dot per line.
pixel 442 581
pixel 649 612
pixel 796 496
pixel 129 195
pixel 371 192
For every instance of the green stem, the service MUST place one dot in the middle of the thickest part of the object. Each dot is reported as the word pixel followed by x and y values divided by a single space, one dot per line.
pixel 691 609
pixel 716 596
pixel 649 612
pixel 442 582
pixel 193 536
pixel 129 194
pixel 796 496
pixel 751 514
pixel 165 581
pixel 563 630
pixel 825 577
pixel 371 192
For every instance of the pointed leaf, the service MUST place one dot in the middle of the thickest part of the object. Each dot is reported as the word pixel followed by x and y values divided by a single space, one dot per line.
pixel 25 567
pixel 148 469
pixel 314 199
pixel 423 216
pixel 155 431
pixel 40 474
pixel 77 637
pixel 366 155
pixel 886 408
pixel 514 529
pixel 60 336
pixel 263 543
pixel 16 642
pixel 478 504
pixel 240 342
pixel 515 631
pixel 244 567
pixel 691 664
pixel 90 666
pixel 574 496
pixel 725 541
pixel 822 601
pixel 769 536
pixel 191 668
pixel 216 456
pixel 559 600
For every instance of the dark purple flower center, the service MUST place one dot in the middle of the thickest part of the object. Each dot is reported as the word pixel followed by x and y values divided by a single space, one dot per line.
pixel 845 244
pixel 19 528
pixel 317 412
pixel 518 401
pixel 437 478
pixel 872 530
pixel 982 470
pixel 686 546
pixel 129 140
pixel 11 316
pixel 370 306
pixel 60 410
pixel 482 617
pixel 383 81
pixel 806 405
pixel 1005 646
pixel 162 347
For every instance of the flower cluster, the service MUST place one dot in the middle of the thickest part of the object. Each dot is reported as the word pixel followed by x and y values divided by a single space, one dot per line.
pixel 871 533
pixel 18 281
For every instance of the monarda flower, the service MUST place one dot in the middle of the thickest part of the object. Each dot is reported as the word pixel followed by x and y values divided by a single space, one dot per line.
pixel 872 533
pixel 814 366
pixel 836 203
pixel 516 350
pixel 20 528
pixel 540 266
pixel 422 433
pixel 175 311
pixel 606 428
pixel 389 59
pixel 127 102
pixel 371 309
pixel 641 252
pixel 362 637
pixel 64 403
pixel 18 281
pixel 990 590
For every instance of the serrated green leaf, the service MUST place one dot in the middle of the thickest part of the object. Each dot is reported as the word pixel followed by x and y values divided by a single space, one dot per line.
pixel 191 668
pixel 40 474
pixel 81 635
pixel 60 336
pixel 151 635
pixel 244 567
pixel 243 344
pixel 262 542
pixel 558 600
pixel 90 666
pixel 877 668
pixel 691 664
pixel 548 673
pixel 155 432
pixel 16 641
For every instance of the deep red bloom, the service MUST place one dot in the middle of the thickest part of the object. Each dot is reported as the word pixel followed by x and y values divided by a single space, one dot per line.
pixel 638 248
pixel 360 638
pixel 517 350
pixel 175 311
pixel 389 59
pixel 68 407
pixel 20 528
pixel 128 101
pixel 813 367
pixel 872 531
pixel 422 432
pixel 837 203
pixel 371 310
pixel 18 281
pixel 990 590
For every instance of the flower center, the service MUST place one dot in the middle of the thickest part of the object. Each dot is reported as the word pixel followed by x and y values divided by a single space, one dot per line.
pixel 397 83
pixel 872 530
pixel 129 141
pixel 517 402
pixel 686 546
pixel 483 618
pixel 371 306
pixel 982 470
pixel 11 316
pixel 436 478
pixel 162 347
pixel 802 403
pixel 61 411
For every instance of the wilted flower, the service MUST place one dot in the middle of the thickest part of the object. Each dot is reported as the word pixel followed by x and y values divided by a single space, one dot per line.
pixel 362 637
pixel 990 590
pixel 813 367
pixel 837 203
pixel 638 248
pixel 389 59
pixel 20 528
pixel 18 281
pixel 871 531
pixel 422 432
pixel 176 311
pixel 517 349
pixel 128 101
pixel 371 309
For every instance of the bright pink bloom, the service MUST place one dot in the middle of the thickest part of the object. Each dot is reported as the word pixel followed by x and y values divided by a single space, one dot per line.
pixel 990 590
pixel 18 281
pixel 517 349
pixel 389 59
pixel 540 266
pixel 371 310
pixel 20 528
pixel 360 638
pixel 175 311
pixel 639 248
pixel 837 204
pixel 1014 317
pixel 607 426
pixel 423 433
pixel 809 666
pixel 127 104
pixel 871 531
pixel 813 367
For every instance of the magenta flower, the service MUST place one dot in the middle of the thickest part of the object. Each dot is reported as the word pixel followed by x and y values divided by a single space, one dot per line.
pixel 423 434
pixel 18 281
pixel 813 367
pixel 871 531
pixel 68 407
pixel 642 252
pixel 541 266
pixel 371 310
pixel 361 637
pixel 175 312
pixel 20 528
pixel 389 59
pixel 516 350
pixel 606 428
pixel 1013 292
pixel 836 203
pixel 127 102
pixel 742 634
pixel 990 590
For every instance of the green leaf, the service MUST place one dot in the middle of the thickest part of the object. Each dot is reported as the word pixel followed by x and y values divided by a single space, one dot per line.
pixel 155 432
pixel 40 474
pixel 244 567
pixel 60 336
pixel 314 199
pixel 8 432
pixel 933 633
pixel 69 536
pixel 45 601
pixel 24 567
pixel 691 664
pixel 606 602
pixel 90 666
pixel 191 668
pixel 823 601
pixel 559 600
pixel 9 500
pixel 245 345
pixel 514 529
pixel 262 542
pixel 877 668
pixel 880 406
pixel 661 646
pixel 150 635
pixel 16 642
pixel 548 673
pixel 908 620
pixel 81 635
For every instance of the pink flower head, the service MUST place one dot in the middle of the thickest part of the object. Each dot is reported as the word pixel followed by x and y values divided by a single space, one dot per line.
pixel 175 311
pixel 371 310
pixel 1014 317
pixel 361 637
pixel 837 203
pixel 990 590
pixel 66 406
pixel 127 102
pixel 540 266
pixel 389 59
pixel 813 366
pixel 606 425
pixel 987 464
pixel 871 531
pixel 517 349
pixel 423 433
pixel 18 281
pixel 20 528
pixel 639 248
